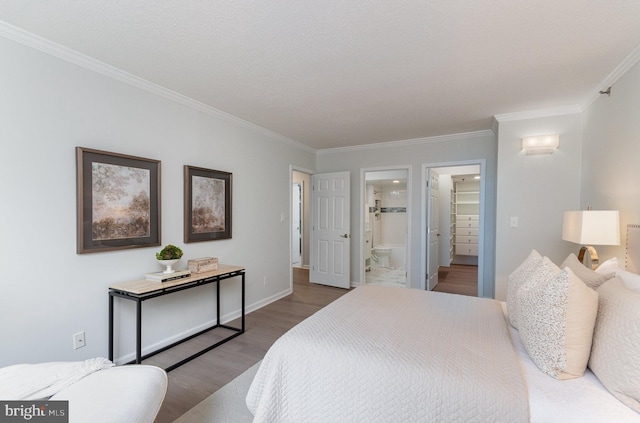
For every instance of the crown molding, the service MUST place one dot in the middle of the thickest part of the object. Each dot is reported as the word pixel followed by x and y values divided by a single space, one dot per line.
pixel 626 64
pixel 495 125
pixel 533 114
pixel 414 141
pixel 61 52
pixel 629 61
pixel 56 50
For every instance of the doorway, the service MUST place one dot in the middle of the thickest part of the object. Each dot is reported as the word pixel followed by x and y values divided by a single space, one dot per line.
pixel 453 227
pixel 300 211
pixel 385 226
pixel 296 223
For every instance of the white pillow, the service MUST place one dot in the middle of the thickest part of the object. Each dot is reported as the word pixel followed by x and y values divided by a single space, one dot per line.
pixel 631 280
pixel 591 278
pixel 608 266
pixel 517 279
pixel 616 342
pixel 556 318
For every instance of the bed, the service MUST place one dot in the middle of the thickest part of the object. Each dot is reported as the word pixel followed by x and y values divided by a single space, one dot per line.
pixel 381 354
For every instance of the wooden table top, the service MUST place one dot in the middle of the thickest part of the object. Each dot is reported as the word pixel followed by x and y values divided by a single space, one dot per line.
pixel 144 286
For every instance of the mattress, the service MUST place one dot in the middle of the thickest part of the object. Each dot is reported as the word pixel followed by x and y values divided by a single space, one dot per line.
pixel 580 400
pixel 382 354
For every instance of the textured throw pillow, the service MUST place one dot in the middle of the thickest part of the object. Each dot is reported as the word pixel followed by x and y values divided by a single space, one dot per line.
pixel 590 277
pixel 556 320
pixel 615 355
pixel 608 266
pixel 517 279
pixel 630 280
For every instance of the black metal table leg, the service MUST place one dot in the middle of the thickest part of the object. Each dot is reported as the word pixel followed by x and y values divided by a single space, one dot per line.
pixel 110 327
pixel 138 331
pixel 218 301
pixel 242 325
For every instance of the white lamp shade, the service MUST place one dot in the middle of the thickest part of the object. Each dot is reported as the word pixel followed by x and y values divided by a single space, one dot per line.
pixel 541 144
pixel 592 227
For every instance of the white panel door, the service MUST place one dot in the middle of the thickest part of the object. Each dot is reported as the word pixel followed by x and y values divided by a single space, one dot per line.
pixel 330 229
pixel 433 234
pixel 296 224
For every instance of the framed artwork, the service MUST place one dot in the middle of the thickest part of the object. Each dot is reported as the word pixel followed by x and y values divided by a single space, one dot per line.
pixel 118 201
pixel 207 204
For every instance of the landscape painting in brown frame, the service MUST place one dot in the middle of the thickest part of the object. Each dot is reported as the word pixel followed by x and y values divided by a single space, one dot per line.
pixel 118 201
pixel 207 204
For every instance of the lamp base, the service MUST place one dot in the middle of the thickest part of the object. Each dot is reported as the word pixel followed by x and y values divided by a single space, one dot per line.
pixel 593 256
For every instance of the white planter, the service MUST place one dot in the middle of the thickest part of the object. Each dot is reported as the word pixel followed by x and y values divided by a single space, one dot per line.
pixel 168 264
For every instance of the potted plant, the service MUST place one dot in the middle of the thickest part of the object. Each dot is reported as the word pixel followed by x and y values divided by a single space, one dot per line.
pixel 169 256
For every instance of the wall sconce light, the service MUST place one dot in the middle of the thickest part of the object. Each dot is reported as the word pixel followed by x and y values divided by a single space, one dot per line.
pixel 599 227
pixel 540 144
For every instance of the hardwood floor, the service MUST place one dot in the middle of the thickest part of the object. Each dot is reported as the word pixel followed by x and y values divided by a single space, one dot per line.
pixel 196 380
pixel 458 279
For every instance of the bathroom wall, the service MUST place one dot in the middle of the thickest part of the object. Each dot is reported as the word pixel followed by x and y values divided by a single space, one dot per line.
pixel 388 223
pixel 394 216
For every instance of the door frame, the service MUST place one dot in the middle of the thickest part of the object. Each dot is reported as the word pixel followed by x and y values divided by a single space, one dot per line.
pixel 305 222
pixel 363 194
pixel 300 222
pixel 423 218
pixel 428 225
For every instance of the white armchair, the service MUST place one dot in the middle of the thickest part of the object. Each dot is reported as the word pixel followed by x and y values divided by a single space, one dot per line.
pixel 96 391
pixel 126 394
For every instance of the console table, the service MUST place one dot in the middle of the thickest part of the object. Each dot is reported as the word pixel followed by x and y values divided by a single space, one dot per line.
pixel 142 290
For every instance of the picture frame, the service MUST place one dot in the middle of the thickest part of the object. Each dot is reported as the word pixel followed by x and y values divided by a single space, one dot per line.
pixel 207 204
pixel 118 201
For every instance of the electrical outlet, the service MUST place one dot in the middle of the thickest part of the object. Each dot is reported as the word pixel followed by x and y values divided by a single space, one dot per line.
pixel 266 280
pixel 78 340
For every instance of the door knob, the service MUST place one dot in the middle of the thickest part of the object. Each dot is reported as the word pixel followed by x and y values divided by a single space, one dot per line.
pixel 344 236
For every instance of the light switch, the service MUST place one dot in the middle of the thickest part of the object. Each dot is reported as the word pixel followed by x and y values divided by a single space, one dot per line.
pixel 514 222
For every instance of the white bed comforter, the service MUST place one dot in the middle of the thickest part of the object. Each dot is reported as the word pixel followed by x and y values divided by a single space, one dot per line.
pixel 393 355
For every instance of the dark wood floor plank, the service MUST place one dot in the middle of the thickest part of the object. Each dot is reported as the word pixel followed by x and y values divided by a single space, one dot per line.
pixel 458 279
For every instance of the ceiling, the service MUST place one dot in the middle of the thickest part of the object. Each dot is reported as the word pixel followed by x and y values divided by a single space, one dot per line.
pixel 332 73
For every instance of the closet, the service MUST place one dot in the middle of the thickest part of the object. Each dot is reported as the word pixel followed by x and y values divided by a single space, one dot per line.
pixel 466 212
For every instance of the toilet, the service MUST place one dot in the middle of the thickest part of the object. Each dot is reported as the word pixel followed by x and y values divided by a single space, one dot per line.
pixel 383 255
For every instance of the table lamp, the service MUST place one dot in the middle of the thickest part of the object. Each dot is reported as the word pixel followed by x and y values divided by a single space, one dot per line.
pixel 591 227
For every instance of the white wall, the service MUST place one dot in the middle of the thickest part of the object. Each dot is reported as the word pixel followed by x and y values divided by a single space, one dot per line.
pixel 611 151
pixel 416 154
pixel 537 189
pixel 49 106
